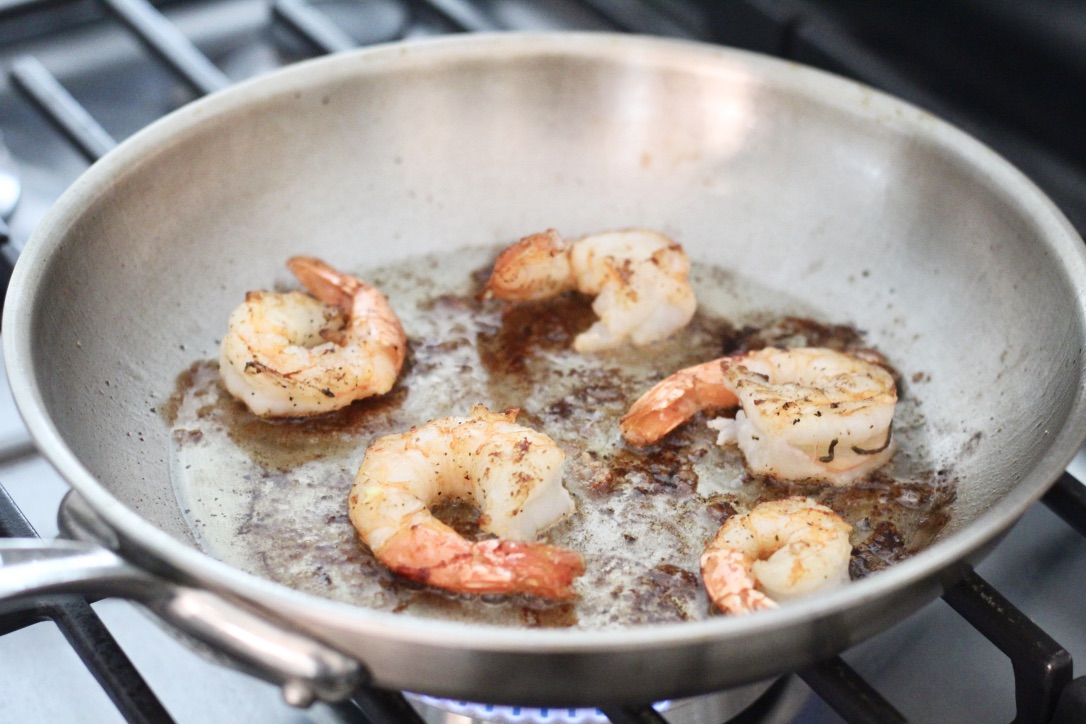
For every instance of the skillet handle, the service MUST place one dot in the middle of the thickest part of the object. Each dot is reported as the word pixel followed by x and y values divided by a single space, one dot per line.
pixel 304 669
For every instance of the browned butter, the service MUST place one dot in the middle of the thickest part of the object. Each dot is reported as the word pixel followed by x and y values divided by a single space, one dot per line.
pixel 270 497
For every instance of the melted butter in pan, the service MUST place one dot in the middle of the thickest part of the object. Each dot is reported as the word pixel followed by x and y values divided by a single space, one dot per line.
pixel 270 497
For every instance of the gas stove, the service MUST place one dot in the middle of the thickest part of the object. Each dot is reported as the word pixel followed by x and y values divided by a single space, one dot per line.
pixel 77 76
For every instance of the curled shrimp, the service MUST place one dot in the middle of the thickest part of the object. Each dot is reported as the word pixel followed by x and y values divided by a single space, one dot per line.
pixel 778 550
pixel 511 473
pixel 288 355
pixel 806 413
pixel 638 278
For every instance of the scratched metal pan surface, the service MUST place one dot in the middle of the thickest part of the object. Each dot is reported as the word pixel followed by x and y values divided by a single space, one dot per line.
pixel 864 210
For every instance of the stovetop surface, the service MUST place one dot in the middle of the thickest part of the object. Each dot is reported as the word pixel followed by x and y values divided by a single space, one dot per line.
pixel 932 667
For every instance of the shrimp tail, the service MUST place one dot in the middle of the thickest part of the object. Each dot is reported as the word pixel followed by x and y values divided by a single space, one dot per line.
pixel 535 268
pixel 445 560
pixel 371 315
pixel 730 586
pixel 675 400
pixel 325 282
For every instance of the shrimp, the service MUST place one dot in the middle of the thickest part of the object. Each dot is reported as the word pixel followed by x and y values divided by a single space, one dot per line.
pixel 638 278
pixel 777 551
pixel 510 472
pixel 293 355
pixel 806 413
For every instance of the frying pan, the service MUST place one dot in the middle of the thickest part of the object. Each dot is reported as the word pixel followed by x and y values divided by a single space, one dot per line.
pixel 865 209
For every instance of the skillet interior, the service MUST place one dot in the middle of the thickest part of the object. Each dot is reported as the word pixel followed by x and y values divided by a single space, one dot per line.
pixel 866 210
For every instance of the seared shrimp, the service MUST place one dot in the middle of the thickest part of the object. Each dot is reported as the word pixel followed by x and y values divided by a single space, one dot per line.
pixel 638 279
pixel 807 413
pixel 288 355
pixel 510 472
pixel 777 551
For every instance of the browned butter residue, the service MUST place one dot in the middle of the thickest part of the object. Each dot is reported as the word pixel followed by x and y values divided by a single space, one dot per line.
pixel 643 515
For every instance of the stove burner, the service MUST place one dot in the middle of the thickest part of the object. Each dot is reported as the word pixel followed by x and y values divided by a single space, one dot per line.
pixel 779 700
pixel 520 715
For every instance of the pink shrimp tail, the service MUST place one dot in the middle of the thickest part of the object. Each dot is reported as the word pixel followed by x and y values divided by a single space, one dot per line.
pixel 369 310
pixel 727 578
pixel 325 282
pixel 532 269
pixel 445 560
pixel 675 400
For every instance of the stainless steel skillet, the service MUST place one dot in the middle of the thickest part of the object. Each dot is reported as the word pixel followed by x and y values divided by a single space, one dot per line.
pixel 864 209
